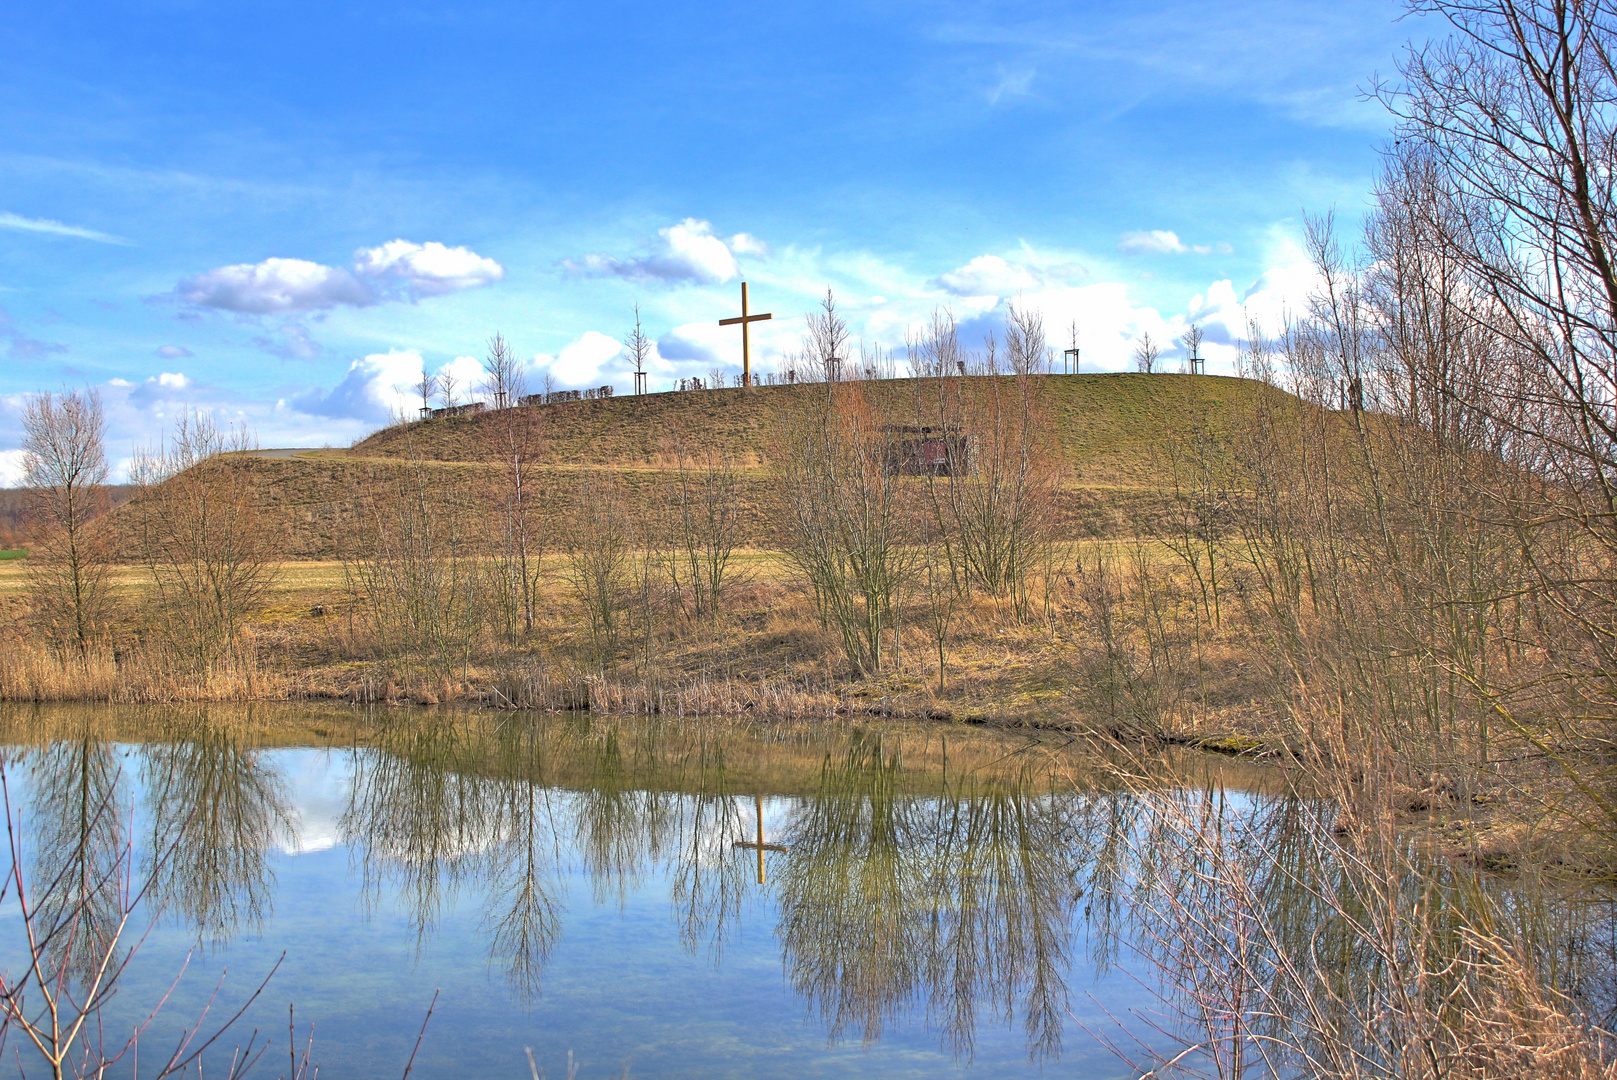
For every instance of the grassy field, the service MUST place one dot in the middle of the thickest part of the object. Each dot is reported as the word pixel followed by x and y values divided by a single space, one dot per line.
pixel 12 554
pixel 1112 430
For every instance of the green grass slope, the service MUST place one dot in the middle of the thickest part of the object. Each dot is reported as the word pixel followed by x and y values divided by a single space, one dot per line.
pixel 1111 427
pixel 1114 430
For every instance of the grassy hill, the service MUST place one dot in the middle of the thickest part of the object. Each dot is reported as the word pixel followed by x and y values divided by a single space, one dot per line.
pixel 1113 430
pixel 1110 426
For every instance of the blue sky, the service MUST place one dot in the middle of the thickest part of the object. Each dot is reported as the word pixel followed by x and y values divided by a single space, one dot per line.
pixel 282 211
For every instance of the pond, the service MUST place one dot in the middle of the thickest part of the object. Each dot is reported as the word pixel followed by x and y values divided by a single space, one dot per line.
pixel 670 899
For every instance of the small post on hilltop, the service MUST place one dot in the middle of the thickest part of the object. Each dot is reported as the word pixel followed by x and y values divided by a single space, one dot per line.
pixel 833 369
pixel 1070 357
pixel 759 844
pixel 745 321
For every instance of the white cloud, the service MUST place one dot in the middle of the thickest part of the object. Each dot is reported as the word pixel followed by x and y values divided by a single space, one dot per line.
pixel 1154 242
pixel 1281 292
pixel 698 346
pixel 429 269
pixel 688 252
pixel 989 275
pixel 397 269
pixel 374 389
pixel 469 376
pixel 1165 242
pixel 173 352
pixel 56 228
pixel 11 468
pixel 275 285
pixel 141 412
pixel 579 362
pixel 1110 321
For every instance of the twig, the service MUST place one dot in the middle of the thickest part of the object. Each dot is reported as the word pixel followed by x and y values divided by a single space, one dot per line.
pixel 420 1035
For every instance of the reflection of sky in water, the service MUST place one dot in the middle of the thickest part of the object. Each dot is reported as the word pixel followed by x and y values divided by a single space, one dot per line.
pixel 370 926
pixel 317 785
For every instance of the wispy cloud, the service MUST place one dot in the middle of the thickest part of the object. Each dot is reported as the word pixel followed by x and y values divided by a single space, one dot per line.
pixel 1011 84
pixel 57 228
pixel 1165 242
pixel 23 347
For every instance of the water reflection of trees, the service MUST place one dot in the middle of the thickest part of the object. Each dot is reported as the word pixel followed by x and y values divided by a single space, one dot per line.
pixel 215 812
pixel 961 903
pixel 77 840
pixel 435 812
pixel 965 898
pixel 1293 942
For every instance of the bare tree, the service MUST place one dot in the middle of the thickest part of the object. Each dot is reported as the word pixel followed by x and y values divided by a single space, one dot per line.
pixel 65 468
pixel 934 350
pixel 941 591
pixel 447 385
pixel 426 387
pixel 77 957
pixel 847 519
pixel 706 527
pixel 1024 340
pixel 599 563
pixel 1192 341
pixel 1146 354
pixel 504 382
pixel 990 494
pixel 211 553
pixel 523 510
pixel 1511 117
pixel 639 349
pixel 413 565
pixel 826 350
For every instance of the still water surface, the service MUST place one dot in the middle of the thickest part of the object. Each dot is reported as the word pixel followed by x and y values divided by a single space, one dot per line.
pixel 928 901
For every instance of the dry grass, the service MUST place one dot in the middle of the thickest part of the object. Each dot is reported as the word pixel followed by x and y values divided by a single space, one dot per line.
pixel 29 672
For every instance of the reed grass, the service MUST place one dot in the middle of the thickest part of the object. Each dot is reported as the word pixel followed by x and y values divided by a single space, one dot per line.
pixel 33 672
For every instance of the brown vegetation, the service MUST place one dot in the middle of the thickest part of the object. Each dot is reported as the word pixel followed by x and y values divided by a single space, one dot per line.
pixel 1389 556
pixel 66 473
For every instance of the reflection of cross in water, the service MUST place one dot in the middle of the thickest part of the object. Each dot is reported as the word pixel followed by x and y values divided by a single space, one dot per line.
pixel 760 845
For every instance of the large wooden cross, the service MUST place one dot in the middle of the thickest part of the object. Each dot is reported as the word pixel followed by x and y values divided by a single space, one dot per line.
pixel 760 845
pixel 745 321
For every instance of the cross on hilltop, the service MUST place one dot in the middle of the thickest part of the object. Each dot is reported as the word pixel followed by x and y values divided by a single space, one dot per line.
pixel 745 320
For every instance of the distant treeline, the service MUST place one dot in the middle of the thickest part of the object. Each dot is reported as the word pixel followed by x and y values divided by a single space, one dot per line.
pixel 17 528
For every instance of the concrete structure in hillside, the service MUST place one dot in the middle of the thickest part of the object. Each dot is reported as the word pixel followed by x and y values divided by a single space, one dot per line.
pixel 928 451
